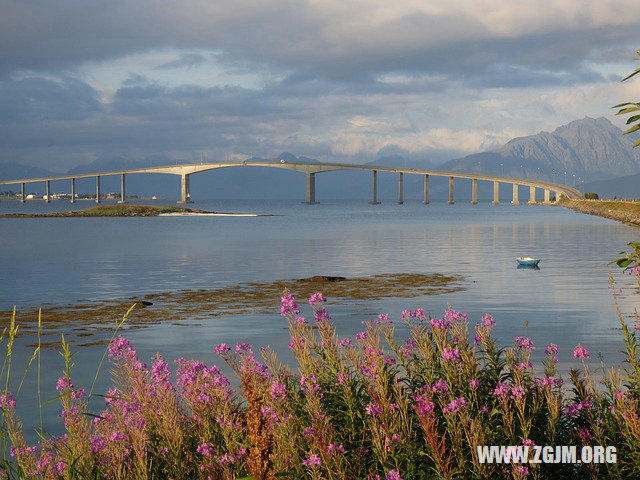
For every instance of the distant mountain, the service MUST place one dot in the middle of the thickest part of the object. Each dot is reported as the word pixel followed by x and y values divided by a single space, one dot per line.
pixel 587 150
pixel 13 171
pixel 621 187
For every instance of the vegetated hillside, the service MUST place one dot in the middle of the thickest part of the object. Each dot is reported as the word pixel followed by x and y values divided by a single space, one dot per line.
pixel 588 149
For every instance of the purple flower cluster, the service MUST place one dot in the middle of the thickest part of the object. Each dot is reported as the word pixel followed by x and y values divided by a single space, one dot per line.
pixel 455 405
pixel 316 299
pixel 574 409
pixel 312 460
pixel 288 305
pixel 580 352
pixel 450 354
pixel 278 391
pixel 525 343
pixel 373 409
pixel 424 406
pixel 502 389
pixel 6 400
pixel 440 386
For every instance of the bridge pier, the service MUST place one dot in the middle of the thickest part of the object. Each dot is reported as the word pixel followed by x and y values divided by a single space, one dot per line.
pixel 47 194
pixel 97 189
pixel 73 190
pixel 474 191
pixel 450 190
pixel 374 188
pixel 425 198
pixel 547 196
pixel 515 195
pixel 311 189
pixel 496 193
pixel 22 193
pixel 532 195
pixel 122 193
pixel 400 192
pixel 185 196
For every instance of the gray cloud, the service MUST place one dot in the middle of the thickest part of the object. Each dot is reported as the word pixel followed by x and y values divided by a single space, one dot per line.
pixel 334 79
pixel 183 61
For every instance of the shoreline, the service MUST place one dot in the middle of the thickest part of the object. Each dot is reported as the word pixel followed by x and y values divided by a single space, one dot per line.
pixel 133 211
pixel 626 212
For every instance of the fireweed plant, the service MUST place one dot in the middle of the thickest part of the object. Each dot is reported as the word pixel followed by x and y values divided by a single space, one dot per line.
pixel 369 407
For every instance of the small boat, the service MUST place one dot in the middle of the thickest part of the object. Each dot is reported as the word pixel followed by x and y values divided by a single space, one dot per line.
pixel 528 261
pixel 528 267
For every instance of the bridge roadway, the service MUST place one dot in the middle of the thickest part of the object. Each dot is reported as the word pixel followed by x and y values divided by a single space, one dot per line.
pixel 311 169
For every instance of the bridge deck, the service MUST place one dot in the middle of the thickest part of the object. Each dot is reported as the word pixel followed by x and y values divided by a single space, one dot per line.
pixel 188 169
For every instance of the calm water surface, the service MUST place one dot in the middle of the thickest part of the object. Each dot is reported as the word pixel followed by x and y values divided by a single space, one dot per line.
pixel 568 301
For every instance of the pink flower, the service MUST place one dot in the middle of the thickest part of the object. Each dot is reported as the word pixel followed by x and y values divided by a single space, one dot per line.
pixel 333 448
pixel 288 305
pixel 316 298
pixel 222 348
pixel 120 348
pixel 78 394
pixel 455 405
pixel 525 343
pixel 440 324
pixel 64 384
pixel 521 470
pixel 278 391
pixel 518 392
pixel 342 378
pixel 501 390
pixel 98 442
pixel 488 321
pixel 7 401
pixel 474 383
pixel 321 314
pixel 373 409
pixel 440 386
pixel 552 349
pixel 580 352
pixel 205 449
pixel 312 460
pixel 585 435
pixel 450 354
pixel 424 405
pixel 393 475
pixel 244 348
pixel 117 435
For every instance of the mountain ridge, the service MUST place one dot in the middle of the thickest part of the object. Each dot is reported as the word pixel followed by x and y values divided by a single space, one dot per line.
pixel 588 149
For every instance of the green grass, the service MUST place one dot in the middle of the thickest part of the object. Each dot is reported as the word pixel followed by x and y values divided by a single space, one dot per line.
pixel 622 211
pixel 115 211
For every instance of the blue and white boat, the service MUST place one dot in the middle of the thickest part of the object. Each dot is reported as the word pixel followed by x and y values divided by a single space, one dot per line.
pixel 528 261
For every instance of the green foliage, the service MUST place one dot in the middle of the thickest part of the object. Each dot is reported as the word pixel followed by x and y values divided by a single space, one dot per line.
pixel 591 196
pixel 632 108
pixel 629 259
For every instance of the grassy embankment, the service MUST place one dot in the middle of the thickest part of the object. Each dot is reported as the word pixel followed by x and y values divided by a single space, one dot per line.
pixel 619 210
pixel 113 211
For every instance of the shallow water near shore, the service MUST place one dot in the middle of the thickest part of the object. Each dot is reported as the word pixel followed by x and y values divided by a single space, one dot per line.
pixel 66 261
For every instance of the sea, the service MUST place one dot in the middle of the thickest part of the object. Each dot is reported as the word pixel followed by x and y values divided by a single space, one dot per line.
pixel 65 261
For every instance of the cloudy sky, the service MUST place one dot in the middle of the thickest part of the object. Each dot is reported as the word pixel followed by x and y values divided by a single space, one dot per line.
pixel 337 80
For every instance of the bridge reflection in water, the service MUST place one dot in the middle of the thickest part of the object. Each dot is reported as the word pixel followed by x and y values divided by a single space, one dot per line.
pixel 310 170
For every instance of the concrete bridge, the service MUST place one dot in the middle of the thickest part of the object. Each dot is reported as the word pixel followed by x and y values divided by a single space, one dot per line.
pixel 310 170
